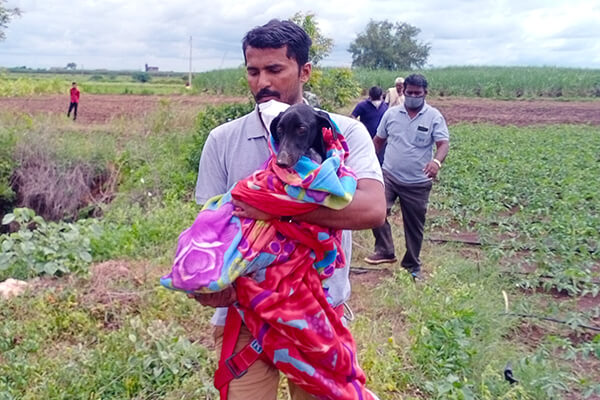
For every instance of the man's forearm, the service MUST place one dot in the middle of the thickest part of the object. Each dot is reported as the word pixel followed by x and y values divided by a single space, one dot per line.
pixel 378 143
pixel 441 150
pixel 367 209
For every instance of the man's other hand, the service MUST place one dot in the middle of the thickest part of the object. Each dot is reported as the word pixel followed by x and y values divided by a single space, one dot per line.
pixel 223 298
pixel 244 210
pixel 431 169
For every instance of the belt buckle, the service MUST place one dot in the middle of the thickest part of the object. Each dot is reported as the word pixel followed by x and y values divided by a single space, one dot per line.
pixel 233 369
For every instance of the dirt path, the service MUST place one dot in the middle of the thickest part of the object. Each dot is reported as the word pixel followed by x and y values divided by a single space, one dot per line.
pixel 102 108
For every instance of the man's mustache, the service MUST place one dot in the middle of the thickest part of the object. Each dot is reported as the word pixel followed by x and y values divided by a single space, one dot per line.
pixel 266 93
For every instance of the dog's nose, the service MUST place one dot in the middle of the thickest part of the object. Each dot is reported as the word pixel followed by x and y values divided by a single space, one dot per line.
pixel 285 159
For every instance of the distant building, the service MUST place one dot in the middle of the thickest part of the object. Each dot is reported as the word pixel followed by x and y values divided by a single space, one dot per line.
pixel 151 69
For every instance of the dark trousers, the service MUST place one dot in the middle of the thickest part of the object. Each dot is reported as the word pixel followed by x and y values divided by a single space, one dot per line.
pixel 413 204
pixel 72 107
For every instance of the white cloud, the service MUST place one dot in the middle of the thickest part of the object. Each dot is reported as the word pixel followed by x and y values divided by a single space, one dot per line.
pixel 115 34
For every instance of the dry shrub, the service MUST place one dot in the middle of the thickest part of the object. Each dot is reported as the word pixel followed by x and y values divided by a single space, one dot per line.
pixel 56 191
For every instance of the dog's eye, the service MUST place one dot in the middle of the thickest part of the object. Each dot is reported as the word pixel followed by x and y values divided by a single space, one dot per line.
pixel 302 130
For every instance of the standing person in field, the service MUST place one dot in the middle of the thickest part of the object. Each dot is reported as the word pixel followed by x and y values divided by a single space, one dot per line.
pixel 276 59
pixel 370 111
pixel 394 96
pixel 409 168
pixel 74 93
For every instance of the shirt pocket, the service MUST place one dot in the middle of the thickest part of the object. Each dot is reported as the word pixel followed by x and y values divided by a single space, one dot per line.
pixel 422 136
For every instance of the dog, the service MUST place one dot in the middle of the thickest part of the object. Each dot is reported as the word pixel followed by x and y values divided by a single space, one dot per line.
pixel 298 131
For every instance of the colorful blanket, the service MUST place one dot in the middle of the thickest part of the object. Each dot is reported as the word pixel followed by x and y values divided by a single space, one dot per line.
pixel 219 247
pixel 278 268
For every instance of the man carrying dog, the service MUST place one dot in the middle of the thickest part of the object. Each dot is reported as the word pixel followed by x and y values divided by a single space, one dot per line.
pixel 409 167
pixel 276 58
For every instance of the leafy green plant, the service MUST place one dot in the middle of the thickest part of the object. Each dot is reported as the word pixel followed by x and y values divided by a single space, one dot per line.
pixel 141 77
pixel 335 87
pixel 41 247
pixel 210 118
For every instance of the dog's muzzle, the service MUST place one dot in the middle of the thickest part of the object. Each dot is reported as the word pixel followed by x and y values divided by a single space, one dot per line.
pixel 285 159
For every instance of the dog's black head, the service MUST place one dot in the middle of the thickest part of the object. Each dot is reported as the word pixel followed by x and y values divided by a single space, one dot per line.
pixel 298 131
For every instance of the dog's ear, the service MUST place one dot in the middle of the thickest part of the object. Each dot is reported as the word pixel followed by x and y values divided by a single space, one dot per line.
pixel 273 127
pixel 323 121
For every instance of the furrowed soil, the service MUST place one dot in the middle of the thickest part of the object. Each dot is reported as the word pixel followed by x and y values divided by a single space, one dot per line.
pixel 95 108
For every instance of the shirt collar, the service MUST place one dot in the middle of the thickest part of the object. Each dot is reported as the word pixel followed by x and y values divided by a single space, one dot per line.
pixel 261 130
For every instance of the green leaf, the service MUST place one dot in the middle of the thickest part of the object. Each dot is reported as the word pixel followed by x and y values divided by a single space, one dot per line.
pixel 8 218
pixel 50 268
pixel 7 244
pixel 85 256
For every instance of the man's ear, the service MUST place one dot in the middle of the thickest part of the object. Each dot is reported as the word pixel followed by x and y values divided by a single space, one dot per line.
pixel 305 72
pixel 323 121
pixel 273 127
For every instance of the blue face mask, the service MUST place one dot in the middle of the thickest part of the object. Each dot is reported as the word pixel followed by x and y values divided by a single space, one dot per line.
pixel 413 103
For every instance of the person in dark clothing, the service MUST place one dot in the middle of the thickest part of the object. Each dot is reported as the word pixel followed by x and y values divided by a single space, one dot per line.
pixel 370 111
pixel 74 101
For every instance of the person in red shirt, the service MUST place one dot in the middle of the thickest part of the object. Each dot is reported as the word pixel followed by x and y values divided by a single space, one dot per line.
pixel 74 101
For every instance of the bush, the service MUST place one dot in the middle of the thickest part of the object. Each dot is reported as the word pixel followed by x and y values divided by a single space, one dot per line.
pixel 335 87
pixel 141 77
pixel 210 118
pixel 7 164
pixel 59 174
pixel 49 248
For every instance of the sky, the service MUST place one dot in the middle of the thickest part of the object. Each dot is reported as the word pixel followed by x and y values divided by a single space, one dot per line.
pixel 109 34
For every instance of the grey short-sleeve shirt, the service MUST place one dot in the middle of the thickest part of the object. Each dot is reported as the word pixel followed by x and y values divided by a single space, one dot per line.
pixel 237 148
pixel 410 141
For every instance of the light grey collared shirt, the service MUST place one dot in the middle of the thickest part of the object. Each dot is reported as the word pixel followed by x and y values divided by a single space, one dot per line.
pixel 410 141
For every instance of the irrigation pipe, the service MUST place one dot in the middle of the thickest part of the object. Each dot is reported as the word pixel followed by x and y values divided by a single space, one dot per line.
pixel 436 239
pixel 545 276
pixel 560 321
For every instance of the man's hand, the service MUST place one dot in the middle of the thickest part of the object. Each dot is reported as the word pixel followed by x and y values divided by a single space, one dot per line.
pixel 223 298
pixel 431 169
pixel 242 209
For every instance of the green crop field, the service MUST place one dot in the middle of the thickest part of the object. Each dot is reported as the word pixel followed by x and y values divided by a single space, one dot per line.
pixel 489 82
pixel 511 260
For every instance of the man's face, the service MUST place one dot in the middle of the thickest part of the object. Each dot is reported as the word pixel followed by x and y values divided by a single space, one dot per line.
pixel 399 88
pixel 273 76
pixel 415 91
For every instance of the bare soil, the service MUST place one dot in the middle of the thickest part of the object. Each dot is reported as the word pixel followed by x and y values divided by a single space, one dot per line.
pixel 97 108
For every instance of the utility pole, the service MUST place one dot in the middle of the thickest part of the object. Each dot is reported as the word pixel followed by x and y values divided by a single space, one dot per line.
pixel 189 85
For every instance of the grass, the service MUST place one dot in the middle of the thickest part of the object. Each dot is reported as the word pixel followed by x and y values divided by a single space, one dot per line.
pixel 113 333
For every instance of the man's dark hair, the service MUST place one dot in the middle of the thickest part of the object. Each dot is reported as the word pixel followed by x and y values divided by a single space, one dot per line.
pixel 415 80
pixel 375 93
pixel 275 34
pixel 74 83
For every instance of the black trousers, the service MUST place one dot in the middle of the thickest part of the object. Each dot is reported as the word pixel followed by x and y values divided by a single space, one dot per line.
pixel 72 107
pixel 413 204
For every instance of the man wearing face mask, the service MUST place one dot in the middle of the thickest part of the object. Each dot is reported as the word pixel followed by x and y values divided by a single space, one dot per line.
pixel 409 167
pixel 370 111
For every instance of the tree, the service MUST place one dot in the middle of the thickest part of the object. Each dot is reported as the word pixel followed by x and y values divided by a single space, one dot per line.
pixel 6 14
pixel 141 77
pixel 321 46
pixel 389 46
pixel 71 66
